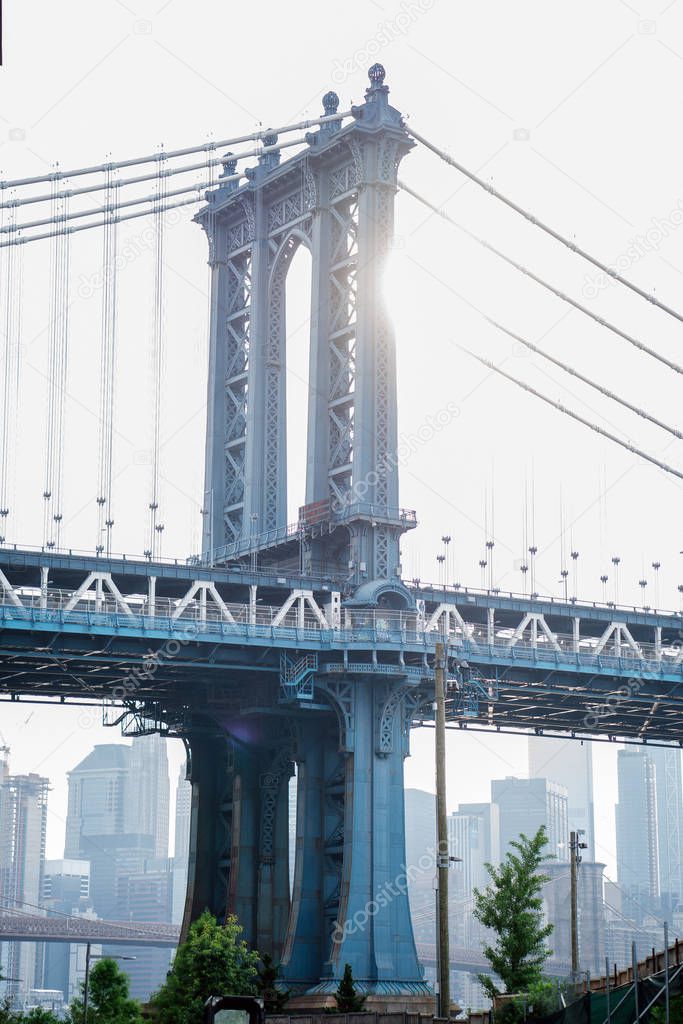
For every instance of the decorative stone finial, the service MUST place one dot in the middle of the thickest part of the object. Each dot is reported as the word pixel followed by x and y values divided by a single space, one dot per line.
pixel 229 162
pixel 377 74
pixel 270 139
pixel 330 103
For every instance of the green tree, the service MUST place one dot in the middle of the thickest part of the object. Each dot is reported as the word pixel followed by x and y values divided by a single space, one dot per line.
pixel 40 1016
pixel 214 961
pixel 512 907
pixel 274 998
pixel 346 997
pixel 109 1001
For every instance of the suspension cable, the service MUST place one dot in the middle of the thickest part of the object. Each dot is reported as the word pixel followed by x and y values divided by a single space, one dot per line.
pixel 539 280
pixel 155 527
pixel 105 519
pixel 574 415
pixel 172 154
pixel 151 176
pixel 586 380
pixel 112 218
pixel 9 421
pixel 614 274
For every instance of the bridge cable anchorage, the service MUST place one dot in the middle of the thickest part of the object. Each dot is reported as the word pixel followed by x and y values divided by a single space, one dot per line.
pixel 574 415
pixel 572 246
pixel 11 379
pixel 57 379
pixel 105 520
pixel 151 176
pixel 539 280
pixel 175 153
pixel 155 527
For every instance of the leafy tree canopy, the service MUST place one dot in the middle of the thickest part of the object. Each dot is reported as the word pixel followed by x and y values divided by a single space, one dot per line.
pixel 512 907
pixel 109 1000
pixel 214 961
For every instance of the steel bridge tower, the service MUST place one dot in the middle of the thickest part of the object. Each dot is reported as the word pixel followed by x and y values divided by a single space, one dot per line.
pixel 347 735
pixel 337 199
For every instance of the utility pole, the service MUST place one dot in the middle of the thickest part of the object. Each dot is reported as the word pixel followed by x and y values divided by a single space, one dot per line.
pixel 442 858
pixel 575 846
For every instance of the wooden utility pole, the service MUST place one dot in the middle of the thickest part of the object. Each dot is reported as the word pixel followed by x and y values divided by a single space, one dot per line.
pixel 442 858
pixel 575 847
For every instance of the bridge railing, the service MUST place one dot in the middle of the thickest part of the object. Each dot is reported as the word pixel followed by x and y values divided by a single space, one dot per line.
pixel 301 616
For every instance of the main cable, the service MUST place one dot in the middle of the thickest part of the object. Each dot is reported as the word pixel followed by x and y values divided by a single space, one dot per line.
pixel 586 380
pixel 539 280
pixel 174 153
pixel 574 415
pixel 170 172
pixel 614 274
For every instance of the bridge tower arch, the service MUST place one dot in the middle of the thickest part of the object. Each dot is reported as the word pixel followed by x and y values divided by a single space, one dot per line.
pixel 336 197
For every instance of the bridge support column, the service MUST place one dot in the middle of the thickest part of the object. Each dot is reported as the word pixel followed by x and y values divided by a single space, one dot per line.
pixel 350 900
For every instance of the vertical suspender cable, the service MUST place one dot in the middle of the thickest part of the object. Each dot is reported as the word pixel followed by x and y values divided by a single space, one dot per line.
pixel 155 527
pixel 11 363
pixel 105 519
pixel 57 374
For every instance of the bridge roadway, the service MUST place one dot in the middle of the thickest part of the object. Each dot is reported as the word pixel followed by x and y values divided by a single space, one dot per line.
pixel 36 928
pixel 85 628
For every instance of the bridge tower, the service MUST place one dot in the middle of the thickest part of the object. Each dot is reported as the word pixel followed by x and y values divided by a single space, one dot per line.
pixel 337 199
pixel 345 726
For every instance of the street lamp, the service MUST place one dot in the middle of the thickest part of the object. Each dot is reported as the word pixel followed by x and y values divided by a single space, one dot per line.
pixel 446 539
pixel 615 562
pixel 489 547
pixel 642 584
pixel 575 560
pixel 603 580
pixel 656 566
pixel 86 984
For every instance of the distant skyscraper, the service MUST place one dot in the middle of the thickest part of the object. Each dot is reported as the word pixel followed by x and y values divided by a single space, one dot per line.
pixel 526 804
pixel 420 809
pixel 116 789
pixel 23 821
pixel 66 890
pixel 473 837
pixel 183 810
pixel 591 914
pixel 148 811
pixel 570 763
pixel 637 832
pixel 667 762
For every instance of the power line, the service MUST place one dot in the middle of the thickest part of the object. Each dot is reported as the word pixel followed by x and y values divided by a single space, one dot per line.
pixel 161 155
pixel 574 415
pixel 615 275
pixel 539 280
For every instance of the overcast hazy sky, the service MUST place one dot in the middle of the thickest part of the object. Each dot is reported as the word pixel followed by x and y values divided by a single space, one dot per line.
pixel 574 110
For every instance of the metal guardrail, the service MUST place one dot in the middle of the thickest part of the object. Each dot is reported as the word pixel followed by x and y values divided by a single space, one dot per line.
pixel 373 626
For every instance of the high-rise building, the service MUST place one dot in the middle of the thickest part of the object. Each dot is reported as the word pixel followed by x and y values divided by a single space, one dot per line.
pixel 637 832
pixel 23 821
pixel 116 789
pixel 569 763
pixel 181 848
pixel 148 812
pixel 473 838
pixel 590 914
pixel 420 810
pixel 667 762
pixel 526 804
pixel 66 890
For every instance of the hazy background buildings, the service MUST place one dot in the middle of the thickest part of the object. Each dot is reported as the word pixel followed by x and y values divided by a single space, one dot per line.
pixel 118 862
